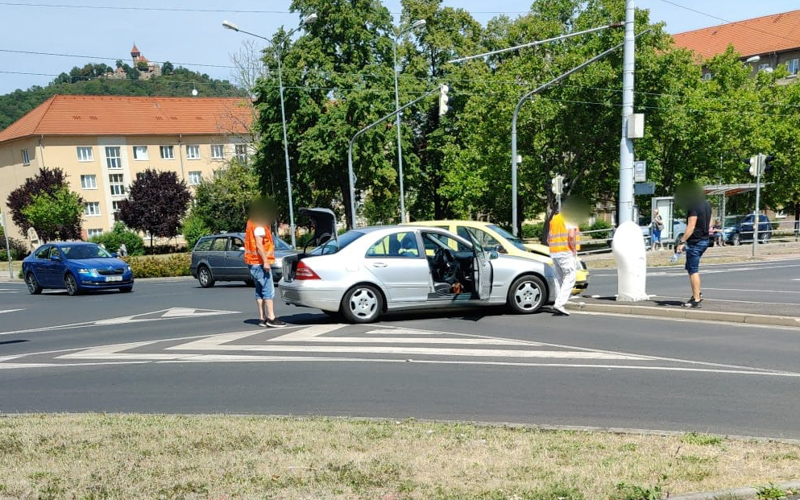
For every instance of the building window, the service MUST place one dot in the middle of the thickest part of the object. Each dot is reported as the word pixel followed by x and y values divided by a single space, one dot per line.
pixel 139 176
pixel 193 152
pixel 792 66
pixel 708 76
pixel 91 209
pixel 167 153
pixel 85 154
pixel 195 178
pixel 113 158
pixel 116 183
pixel 94 232
pixel 115 206
pixel 218 151
pixel 242 153
pixel 89 181
pixel 140 153
pixel 764 67
pixel 26 157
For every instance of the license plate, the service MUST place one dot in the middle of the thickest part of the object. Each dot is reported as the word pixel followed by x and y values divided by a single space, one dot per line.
pixel 113 278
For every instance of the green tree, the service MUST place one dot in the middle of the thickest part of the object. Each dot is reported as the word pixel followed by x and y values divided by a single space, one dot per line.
pixel 221 203
pixel 118 235
pixel 55 215
pixel 156 204
pixel 46 183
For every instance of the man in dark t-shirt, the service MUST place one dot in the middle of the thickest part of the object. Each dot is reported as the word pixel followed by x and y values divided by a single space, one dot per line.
pixel 695 242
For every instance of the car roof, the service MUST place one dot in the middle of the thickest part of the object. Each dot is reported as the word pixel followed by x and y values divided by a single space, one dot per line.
pixel 85 243
pixel 449 222
pixel 241 235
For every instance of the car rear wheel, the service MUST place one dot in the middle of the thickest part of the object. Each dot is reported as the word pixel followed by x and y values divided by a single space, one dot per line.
pixel 205 277
pixel 126 289
pixel 71 284
pixel 527 295
pixel 362 304
pixel 737 239
pixel 33 285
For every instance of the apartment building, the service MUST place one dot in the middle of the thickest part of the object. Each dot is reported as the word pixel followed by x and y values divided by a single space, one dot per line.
pixel 104 142
pixel 766 42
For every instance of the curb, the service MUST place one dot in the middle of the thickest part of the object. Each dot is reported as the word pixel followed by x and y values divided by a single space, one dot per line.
pixel 735 494
pixel 674 313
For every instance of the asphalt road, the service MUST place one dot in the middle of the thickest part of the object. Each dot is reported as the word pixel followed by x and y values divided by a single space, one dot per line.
pixel 172 347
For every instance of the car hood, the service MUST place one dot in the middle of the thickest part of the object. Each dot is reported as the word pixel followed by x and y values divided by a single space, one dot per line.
pixel 102 263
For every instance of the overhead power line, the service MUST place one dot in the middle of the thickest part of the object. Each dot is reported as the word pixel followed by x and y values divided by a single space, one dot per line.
pixel 84 56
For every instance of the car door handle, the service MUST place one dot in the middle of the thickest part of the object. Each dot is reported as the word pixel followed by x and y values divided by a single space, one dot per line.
pixel 379 264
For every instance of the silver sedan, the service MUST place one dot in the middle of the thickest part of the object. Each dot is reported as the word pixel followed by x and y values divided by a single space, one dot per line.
pixel 367 272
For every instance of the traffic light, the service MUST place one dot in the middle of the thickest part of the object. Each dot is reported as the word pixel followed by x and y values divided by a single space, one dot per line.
pixel 752 164
pixel 358 196
pixel 443 99
pixel 768 166
pixel 557 184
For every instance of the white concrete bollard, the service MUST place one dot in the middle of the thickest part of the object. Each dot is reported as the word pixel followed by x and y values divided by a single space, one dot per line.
pixel 630 255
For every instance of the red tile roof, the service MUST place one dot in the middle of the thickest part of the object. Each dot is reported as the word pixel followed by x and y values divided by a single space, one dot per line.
pixel 72 115
pixel 762 35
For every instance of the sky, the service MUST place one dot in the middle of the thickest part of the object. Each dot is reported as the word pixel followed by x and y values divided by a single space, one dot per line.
pixel 190 33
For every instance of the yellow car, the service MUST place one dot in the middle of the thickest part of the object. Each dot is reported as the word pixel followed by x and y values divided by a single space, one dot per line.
pixel 492 237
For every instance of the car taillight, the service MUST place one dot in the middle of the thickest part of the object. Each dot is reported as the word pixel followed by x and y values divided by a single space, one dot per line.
pixel 304 272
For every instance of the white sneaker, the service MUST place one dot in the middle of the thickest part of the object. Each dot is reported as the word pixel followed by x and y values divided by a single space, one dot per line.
pixel 561 310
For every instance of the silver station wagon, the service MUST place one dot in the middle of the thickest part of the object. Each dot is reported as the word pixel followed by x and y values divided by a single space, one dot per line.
pixel 367 272
pixel 220 257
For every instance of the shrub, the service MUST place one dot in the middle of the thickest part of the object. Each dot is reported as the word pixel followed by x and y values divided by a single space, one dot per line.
pixel 160 267
pixel 193 229
pixel 600 224
pixel 119 235
pixel 19 250
pixel 533 231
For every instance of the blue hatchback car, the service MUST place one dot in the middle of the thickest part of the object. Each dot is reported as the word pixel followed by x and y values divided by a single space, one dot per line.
pixel 75 267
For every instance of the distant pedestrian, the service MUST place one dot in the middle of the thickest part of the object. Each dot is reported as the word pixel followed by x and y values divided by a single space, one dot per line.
pixel 718 233
pixel 656 227
pixel 696 238
pixel 122 251
pixel 259 253
pixel 564 240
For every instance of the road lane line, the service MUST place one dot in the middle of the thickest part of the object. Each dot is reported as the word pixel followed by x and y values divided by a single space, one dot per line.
pixel 749 290
pixel 11 310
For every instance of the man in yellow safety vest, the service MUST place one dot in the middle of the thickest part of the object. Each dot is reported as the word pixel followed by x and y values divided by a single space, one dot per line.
pixel 564 239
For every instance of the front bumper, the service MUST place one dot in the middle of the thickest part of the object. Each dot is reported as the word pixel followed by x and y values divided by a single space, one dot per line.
pixel 99 283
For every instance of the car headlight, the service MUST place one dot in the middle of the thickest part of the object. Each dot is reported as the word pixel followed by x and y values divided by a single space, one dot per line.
pixel 128 269
pixel 90 272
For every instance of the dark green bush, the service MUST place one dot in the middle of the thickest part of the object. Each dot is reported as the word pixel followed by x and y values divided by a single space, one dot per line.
pixel 19 250
pixel 160 267
pixel 600 224
pixel 119 235
pixel 533 231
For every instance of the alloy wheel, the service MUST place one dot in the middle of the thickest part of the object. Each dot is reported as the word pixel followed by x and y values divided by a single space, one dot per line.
pixel 527 296
pixel 364 303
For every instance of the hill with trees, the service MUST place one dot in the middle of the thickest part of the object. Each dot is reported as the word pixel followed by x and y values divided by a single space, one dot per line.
pixel 92 79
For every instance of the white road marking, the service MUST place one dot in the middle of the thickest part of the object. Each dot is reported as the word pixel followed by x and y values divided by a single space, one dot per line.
pixel 160 315
pixel 749 290
pixel 11 310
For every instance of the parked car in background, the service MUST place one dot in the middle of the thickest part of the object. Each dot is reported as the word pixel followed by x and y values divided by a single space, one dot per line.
pixel 492 237
pixel 678 229
pixel 740 229
pixel 364 273
pixel 75 267
pixel 220 257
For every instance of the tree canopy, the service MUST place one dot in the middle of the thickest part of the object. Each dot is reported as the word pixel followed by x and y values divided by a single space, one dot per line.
pixel 29 205
pixel 157 202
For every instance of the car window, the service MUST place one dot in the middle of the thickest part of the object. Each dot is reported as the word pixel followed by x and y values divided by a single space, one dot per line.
pixel 236 244
pixel 514 240
pixel 334 245
pixel 43 252
pixel 77 252
pixel 54 252
pixel 203 245
pixel 219 244
pixel 433 241
pixel 395 245
pixel 279 243
pixel 486 240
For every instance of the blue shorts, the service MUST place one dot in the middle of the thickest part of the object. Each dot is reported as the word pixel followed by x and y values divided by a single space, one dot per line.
pixel 693 253
pixel 656 235
pixel 265 288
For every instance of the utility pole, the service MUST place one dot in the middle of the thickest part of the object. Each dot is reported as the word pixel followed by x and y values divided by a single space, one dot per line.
pixel 756 221
pixel 8 248
pixel 626 144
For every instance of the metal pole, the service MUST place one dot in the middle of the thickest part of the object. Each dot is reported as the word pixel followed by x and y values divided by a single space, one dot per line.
pixel 399 136
pixel 8 247
pixel 626 144
pixel 758 202
pixel 514 221
pixel 286 153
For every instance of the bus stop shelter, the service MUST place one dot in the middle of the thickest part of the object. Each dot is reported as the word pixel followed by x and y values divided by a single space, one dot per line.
pixel 726 190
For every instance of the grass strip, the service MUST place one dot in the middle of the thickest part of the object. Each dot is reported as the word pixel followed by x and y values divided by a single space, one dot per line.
pixel 110 456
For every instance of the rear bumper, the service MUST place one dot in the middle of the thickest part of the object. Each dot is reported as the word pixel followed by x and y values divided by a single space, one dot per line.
pixel 306 294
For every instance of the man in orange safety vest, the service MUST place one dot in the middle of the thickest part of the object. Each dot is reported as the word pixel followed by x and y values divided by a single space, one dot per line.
pixel 259 253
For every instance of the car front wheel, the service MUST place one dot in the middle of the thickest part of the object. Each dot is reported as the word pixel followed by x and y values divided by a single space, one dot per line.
pixel 527 295
pixel 33 285
pixel 362 304
pixel 205 277
pixel 71 284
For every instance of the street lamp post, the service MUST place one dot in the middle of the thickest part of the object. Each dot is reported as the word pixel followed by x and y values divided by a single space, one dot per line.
pixel 416 24
pixel 309 19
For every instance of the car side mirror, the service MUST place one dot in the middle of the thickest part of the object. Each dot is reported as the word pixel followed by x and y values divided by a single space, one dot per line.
pixel 114 254
pixel 494 255
pixel 241 249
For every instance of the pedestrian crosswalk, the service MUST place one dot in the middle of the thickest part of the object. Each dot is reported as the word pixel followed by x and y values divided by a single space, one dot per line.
pixel 338 343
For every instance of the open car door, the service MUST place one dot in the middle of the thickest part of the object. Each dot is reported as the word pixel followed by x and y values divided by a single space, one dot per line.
pixel 483 269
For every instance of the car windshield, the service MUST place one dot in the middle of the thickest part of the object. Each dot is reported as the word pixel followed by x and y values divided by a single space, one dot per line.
pixel 517 242
pixel 334 245
pixel 280 244
pixel 78 252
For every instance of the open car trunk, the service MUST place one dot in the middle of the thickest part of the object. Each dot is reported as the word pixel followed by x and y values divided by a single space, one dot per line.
pixel 323 220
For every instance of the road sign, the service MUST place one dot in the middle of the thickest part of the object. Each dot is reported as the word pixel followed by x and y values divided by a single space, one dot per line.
pixel 639 171
pixel 642 188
